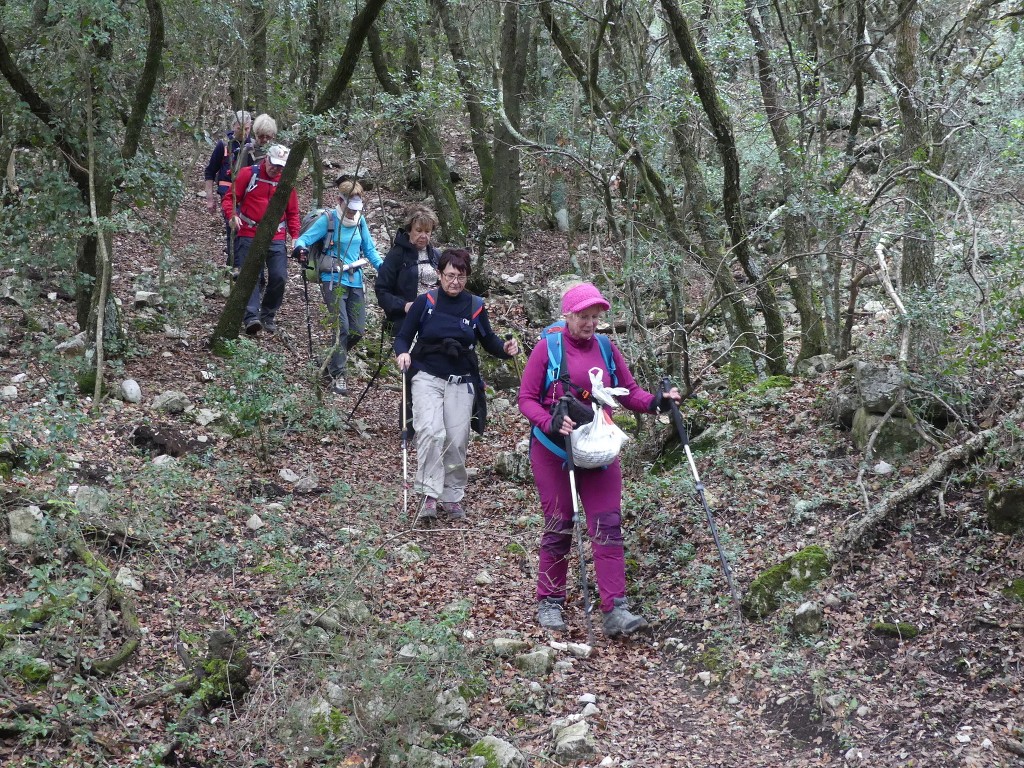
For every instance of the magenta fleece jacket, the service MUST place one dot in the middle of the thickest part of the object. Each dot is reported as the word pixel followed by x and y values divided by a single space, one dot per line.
pixel 580 357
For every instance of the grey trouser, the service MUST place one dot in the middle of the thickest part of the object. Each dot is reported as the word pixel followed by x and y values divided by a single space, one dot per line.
pixel 441 411
pixel 347 307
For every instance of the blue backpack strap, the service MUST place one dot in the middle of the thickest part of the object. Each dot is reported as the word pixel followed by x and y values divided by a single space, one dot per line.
pixel 553 336
pixel 548 443
pixel 609 359
pixel 478 308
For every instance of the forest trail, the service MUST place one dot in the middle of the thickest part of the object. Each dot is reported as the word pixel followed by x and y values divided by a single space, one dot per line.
pixel 654 711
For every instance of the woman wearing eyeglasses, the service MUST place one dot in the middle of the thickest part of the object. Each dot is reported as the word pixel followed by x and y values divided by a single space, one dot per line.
pixel 446 325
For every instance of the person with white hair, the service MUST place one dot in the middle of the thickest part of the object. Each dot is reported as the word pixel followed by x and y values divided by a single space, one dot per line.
pixel 222 164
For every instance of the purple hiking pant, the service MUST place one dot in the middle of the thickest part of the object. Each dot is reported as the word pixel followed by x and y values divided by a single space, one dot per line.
pixel 600 493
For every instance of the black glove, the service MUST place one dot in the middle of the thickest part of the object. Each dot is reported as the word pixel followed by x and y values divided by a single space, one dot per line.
pixel 300 254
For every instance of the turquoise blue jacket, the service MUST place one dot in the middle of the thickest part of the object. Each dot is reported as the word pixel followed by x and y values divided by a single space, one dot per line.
pixel 350 244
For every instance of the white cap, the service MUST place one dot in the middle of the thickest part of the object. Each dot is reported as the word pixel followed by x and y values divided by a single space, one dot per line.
pixel 278 154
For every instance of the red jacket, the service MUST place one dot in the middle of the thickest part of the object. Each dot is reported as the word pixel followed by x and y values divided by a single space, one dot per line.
pixel 253 204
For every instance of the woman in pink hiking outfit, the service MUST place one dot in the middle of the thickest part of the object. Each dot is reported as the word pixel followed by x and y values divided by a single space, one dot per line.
pixel 600 490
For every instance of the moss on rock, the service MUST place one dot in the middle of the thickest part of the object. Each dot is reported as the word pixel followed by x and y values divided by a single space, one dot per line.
pixel 1015 591
pixel 901 629
pixel 796 574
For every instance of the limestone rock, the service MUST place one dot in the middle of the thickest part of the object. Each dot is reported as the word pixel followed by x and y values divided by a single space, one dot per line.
pixel 897 438
pixel 807 620
pixel 91 502
pixel 1005 508
pixel 498 753
pixel 131 392
pixel 452 712
pixel 424 758
pixel 172 401
pixel 574 742
pixel 26 524
pixel 127 579
pixel 507 647
pixel 537 663
pixel 73 347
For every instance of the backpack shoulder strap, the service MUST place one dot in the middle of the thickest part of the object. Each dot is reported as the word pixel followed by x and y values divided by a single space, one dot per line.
pixel 428 305
pixel 556 355
pixel 254 179
pixel 609 359
pixel 332 229
pixel 478 308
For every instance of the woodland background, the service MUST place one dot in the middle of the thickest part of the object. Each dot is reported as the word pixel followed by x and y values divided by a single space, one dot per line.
pixel 756 184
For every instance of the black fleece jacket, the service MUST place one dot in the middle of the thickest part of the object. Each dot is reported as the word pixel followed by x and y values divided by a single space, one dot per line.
pixel 398 278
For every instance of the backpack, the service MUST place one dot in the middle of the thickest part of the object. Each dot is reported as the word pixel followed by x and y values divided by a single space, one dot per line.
pixel 578 408
pixel 478 420
pixel 255 179
pixel 312 272
pixel 556 355
pixel 431 302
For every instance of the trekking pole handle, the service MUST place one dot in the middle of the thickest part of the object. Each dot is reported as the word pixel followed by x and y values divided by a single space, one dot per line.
pixel 677 418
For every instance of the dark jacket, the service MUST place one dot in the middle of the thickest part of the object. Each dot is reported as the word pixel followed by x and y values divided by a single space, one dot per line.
pixel 398 278
pixel 446 336
pixel 219 168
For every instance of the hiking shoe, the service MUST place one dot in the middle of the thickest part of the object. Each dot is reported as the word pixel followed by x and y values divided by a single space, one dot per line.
pixel 340 388
pixel 428 510
pixel 253 327
pixel 455 510
pixel 269 326
pixel 620 621
pixel 549 613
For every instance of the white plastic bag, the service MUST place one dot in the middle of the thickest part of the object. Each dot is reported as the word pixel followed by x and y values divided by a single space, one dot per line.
pixel 601 394
pixel 598 443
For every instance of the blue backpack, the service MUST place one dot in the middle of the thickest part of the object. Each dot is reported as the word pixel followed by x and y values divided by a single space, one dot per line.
pixel 556 355
pixel 555 373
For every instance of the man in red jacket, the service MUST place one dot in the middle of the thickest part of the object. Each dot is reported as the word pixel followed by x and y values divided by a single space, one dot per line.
pixel 243 207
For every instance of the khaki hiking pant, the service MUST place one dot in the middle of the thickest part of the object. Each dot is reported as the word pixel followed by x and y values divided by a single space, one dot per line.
pixel 441 412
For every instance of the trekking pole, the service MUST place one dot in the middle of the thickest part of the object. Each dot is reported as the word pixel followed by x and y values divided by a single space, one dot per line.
pixel 405 451
pixel 376 373
pixel 677 420
pixel 578 535
pixel 309 324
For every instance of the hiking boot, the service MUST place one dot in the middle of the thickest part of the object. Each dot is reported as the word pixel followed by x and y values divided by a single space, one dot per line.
pixel 340 388
pixel 253 327
pixel 549 613
pixel 428 511
pixel 269 325
pixel 619 620
pixel 455 510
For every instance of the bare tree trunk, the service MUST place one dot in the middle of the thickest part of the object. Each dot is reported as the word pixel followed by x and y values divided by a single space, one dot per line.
pixel 721 127
pixel 423 138
pixel 470 93
pixel 918 264
pixel 90 278
pixel 812 330
pixel 504 194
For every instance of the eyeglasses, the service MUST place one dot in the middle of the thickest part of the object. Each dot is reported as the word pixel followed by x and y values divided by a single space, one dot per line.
pixel 454 277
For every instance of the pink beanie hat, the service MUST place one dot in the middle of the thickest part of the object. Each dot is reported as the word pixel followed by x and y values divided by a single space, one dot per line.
pixel 581 296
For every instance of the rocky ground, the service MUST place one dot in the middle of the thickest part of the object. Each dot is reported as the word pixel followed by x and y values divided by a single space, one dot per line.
pixel 333 532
